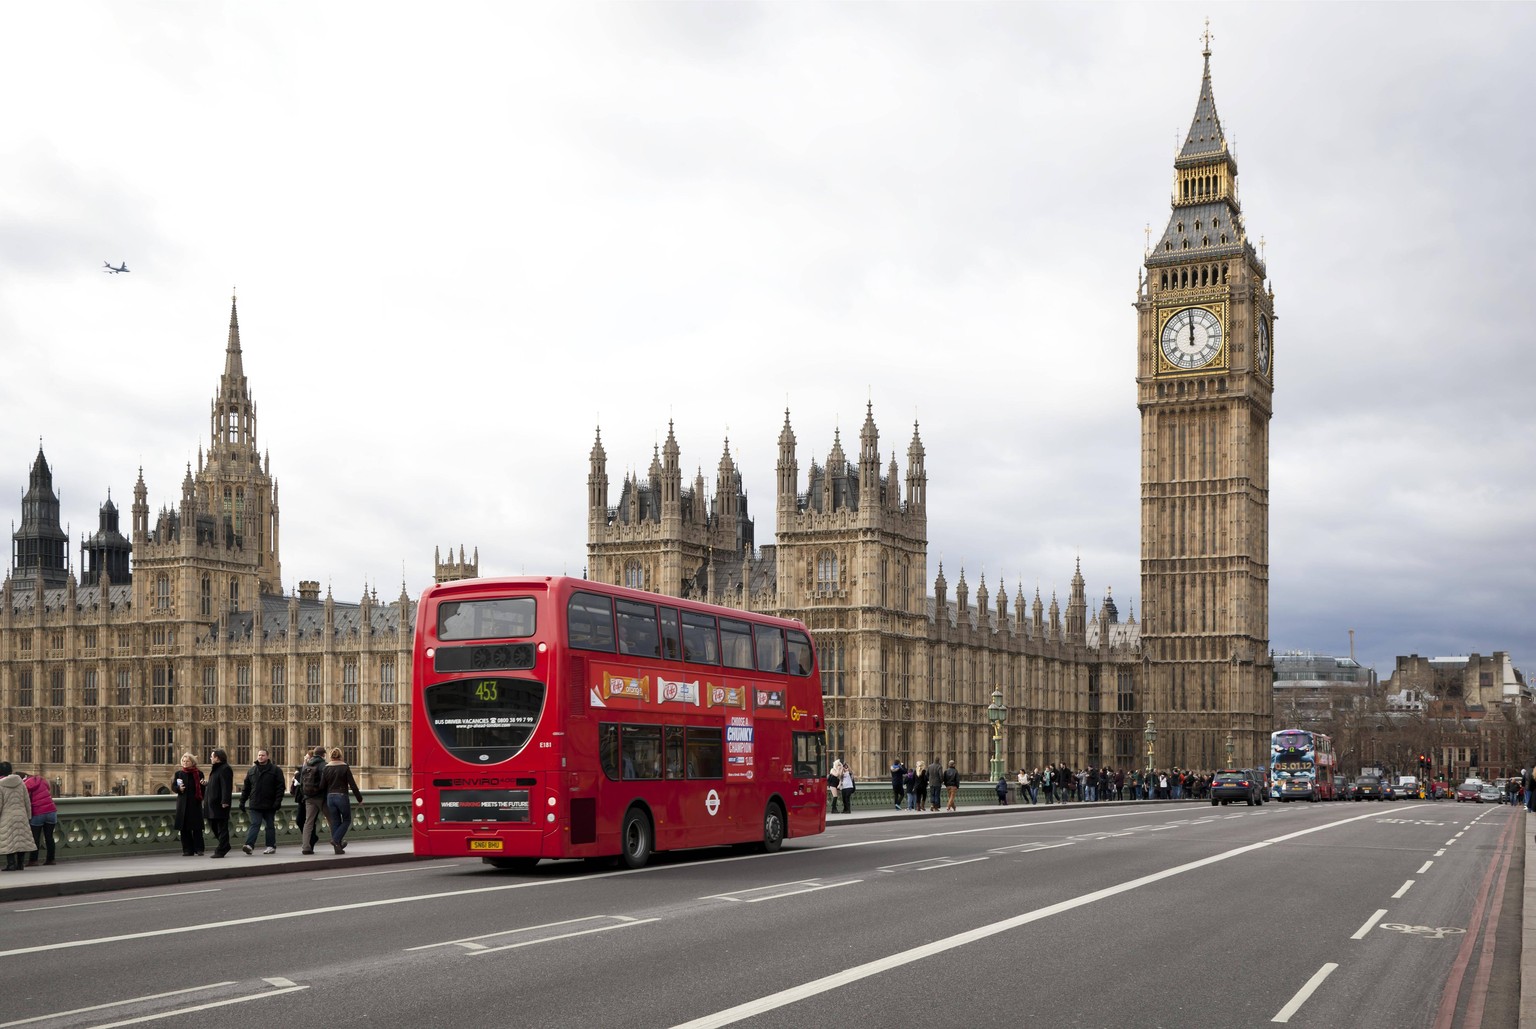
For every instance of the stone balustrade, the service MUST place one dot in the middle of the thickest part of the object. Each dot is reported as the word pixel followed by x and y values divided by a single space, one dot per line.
pixel 91 827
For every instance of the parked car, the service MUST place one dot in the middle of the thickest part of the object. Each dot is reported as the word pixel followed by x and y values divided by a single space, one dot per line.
pixel 1469 790
pixel 1232 784
pixel 1366 788
pixel 1488 793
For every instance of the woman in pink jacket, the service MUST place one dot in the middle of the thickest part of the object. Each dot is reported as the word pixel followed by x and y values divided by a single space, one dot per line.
pixel 45 815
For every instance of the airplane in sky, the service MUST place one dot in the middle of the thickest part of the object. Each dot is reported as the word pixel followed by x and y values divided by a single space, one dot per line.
pixel 115 271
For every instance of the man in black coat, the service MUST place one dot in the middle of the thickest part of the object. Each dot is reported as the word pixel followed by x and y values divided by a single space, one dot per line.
pixel 263 793
pixel 217 796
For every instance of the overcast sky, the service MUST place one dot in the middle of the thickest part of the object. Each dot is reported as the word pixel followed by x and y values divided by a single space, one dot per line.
pixel 465 236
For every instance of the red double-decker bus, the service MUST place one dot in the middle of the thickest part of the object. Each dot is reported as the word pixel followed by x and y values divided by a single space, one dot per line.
pixel 562 718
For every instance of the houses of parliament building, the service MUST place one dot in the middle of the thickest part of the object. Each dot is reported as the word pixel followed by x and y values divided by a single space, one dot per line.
pixel 178 637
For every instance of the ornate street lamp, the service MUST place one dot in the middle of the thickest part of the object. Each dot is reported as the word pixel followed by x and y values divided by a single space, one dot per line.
pixel 1230 748
pixel 996 712
pixel 1150 735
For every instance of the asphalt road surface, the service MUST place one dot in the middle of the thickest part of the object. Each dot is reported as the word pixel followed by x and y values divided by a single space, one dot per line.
pixel 1349 915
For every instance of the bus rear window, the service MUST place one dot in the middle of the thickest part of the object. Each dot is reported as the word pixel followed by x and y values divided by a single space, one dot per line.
pixel 498 619
pixel 484 720
pixel 799 654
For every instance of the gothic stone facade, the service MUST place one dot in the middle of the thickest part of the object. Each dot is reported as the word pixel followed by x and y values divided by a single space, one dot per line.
pixel 905 674
pixel 106 682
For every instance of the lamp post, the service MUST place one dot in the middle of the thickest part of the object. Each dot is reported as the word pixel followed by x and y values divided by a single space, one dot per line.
pixel 1150 735
pixel 1230 748
pixel 996 712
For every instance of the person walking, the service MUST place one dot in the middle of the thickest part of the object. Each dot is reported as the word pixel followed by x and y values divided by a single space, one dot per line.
pixel 217 796
pixel 337 779
pixel 951 784
pixel 189 783
pixel 898 776
pixel 909 786
pixel 45 816
pixel 935 784
pixel 846 787
pixel 1002 788
pixel 311 798
pixel 15 819
pixel 834 784
pixel 262 792
pixel 919 793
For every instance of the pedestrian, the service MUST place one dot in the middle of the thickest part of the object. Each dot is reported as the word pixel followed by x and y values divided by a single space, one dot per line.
pixel 935 784
pixel 337 779
pixel 311 798
pixel 951 784
pixel 217 795
pixel 909 786
pixel 45 816
pixel 834 784
pixel 16 841
pixel 898 777
pixel 846 787
pixel 189 784
pixel 1002 788
pixel 920 793
pixel 262 792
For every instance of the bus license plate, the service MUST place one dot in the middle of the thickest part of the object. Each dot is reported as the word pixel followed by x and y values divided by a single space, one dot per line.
pixel 485 844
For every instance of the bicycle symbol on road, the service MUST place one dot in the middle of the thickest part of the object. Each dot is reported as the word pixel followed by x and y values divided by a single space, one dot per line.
pixel 1430 932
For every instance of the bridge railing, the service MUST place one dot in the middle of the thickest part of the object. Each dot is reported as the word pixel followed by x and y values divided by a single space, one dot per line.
pixel 91 827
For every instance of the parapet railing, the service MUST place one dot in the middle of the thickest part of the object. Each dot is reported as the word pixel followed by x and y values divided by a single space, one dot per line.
pixel 92 827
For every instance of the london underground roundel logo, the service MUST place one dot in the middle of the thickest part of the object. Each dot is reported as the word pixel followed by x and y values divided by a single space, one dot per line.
pixel 712 803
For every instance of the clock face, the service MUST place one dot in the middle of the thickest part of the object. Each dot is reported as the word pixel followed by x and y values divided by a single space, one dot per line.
pixel 1263 354
pixel 1191 338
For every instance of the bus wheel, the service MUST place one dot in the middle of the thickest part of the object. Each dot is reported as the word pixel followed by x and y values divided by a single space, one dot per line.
pixel 773 828
pixel 522 864
pixel 637 839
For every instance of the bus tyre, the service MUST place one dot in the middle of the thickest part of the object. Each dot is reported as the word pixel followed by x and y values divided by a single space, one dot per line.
pixel 773 827
pixel 636 838
pixel 512 864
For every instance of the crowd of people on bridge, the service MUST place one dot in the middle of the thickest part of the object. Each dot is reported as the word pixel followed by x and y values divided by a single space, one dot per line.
pixel 925 786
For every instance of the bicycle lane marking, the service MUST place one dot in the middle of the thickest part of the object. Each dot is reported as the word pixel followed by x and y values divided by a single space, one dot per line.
pixel 1484 929
pixel 842 978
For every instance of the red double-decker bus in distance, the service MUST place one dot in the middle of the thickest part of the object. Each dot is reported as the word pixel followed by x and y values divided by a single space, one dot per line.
pixel 556 717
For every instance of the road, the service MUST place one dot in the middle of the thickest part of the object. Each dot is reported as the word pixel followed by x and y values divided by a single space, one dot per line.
pixel 1357 915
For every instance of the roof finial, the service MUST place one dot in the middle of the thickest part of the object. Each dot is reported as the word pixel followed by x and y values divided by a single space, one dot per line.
pixel 1206 38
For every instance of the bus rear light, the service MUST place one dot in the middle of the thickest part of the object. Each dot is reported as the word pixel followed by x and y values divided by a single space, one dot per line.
pixel 420 817
pixel 552 801
pixel 420 801
pixel 550 817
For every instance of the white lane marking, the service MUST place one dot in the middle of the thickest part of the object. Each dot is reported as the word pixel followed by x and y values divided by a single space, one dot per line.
pixel 1440 852
pixel 1450 841
pixel 780 891
pixel 199 1007
pixel 1424 869
pixel 1370 923
pixel 628 923
pixel 1285 1013
pixel 1405 888
pixel 278 980
pixel 390 871
pixel 475 891
pixel 1029 848
pixel 115 1004
pixel 853 974
pixel 509 932
pixel 120 900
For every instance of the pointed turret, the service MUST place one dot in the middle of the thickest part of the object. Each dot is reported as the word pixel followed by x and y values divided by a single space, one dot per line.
pixel 597 482
pixel 1077 607
pixel 41 546
pixel 788 472
pixel 917 477
pixel 671 477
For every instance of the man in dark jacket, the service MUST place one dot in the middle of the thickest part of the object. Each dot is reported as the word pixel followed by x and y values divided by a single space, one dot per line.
pixel 263 794
pixel 217 796
pixel 310 796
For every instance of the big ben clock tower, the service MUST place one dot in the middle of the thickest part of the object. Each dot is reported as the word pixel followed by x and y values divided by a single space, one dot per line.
pixel 1204 383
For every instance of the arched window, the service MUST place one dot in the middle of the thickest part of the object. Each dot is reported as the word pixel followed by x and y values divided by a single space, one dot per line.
pixel 634 575
pixel 826 571
pixel 234 594
pixel 163 592
pixel 205 596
